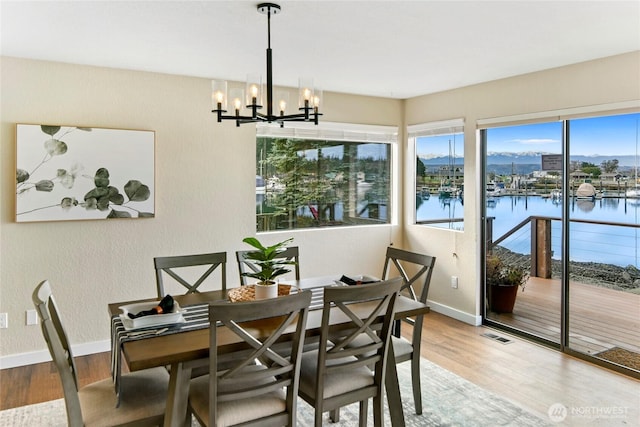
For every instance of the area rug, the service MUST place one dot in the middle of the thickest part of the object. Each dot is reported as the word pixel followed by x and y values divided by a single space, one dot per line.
pixel 621 356
pixel 449 400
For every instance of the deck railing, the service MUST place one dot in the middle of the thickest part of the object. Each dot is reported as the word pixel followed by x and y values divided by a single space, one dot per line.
pixel 541 239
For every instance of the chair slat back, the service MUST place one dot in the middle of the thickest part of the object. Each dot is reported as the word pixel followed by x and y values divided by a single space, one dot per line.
pixel 247 265
pixel 59 348
pixel 186 264
pixel 258 369
pixel 355 310
pixel 411 267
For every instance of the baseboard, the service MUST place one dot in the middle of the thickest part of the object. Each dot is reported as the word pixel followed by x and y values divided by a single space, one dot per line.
pixel 23 359
pixel 41 356
pixel 455 313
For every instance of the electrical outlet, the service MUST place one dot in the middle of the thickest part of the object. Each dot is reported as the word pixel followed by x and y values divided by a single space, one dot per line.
pixel 4 320
pixel 32 317
pixel 454 282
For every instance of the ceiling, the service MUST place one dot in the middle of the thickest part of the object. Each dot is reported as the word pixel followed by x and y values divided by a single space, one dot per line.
pixel 396 49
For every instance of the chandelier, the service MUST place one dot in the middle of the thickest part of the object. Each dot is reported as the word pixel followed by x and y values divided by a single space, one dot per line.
pixel 308 98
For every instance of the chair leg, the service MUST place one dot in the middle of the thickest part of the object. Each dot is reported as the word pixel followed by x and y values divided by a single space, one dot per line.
pixel 187 418
pixel 334 415
pixel 364 408
pixel 417 388
pixel 318 418
pixel 378 410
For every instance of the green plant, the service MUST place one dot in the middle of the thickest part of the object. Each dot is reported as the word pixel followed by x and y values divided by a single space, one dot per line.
pixel 266 259
pixel 501 274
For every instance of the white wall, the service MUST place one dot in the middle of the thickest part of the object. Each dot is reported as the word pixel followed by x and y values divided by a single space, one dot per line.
pixel 205 178
pixel 588 85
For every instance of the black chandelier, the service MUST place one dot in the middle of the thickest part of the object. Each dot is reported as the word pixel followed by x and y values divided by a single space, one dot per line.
pixel 308 97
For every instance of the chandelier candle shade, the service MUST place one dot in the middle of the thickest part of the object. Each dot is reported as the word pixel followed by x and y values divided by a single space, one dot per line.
pixel 309 98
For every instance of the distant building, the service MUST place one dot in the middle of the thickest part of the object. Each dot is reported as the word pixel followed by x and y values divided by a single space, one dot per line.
pixel 579 175
pixel 610 177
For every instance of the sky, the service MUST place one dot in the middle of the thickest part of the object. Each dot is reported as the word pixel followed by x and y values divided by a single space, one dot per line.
pixel 605 135
pixel 441 146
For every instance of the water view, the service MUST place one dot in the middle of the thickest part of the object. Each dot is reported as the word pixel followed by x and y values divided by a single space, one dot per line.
pixel 609 244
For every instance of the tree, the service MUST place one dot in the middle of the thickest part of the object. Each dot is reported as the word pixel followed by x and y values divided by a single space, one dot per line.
pixel 591 169
pixel 290 168
pixel 421 171
pixel 610 166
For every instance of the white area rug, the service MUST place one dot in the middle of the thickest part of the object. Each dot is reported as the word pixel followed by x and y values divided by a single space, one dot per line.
pixel 448 400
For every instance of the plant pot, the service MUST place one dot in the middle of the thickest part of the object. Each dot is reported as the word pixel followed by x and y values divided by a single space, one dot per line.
pixel 502 298
pixel 266 291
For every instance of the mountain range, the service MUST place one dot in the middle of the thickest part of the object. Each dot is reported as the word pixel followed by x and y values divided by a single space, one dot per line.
pixel 528 158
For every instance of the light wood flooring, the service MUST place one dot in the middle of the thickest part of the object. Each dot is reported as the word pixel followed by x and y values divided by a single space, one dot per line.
pixel 532 376
pixel 600 318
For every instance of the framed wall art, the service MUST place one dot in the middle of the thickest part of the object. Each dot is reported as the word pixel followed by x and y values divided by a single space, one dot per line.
pixel 76 173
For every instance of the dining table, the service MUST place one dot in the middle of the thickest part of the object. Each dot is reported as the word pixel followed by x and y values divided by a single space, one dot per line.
pixel 185 350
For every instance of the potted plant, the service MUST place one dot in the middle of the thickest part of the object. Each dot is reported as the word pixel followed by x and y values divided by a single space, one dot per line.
pixel 503 282
pixel 269 266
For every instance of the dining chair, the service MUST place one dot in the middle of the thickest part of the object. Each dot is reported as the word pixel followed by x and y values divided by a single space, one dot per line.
pixel 415 269
pixel 257 386
pixel 246 265
pixel 143 393
pixel 337 373
pixel 197 269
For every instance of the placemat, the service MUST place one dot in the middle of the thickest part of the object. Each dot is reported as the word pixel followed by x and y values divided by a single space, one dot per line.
pixel 196 317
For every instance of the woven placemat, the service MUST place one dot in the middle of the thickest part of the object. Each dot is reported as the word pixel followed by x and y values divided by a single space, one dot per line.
pixel 248 293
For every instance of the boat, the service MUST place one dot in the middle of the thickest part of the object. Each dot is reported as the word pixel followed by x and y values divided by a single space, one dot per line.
pixel 633 193
pixel 448 191
pixel 260 185
pixel 448 188
pixel 493 189
pixel 586 191
pixel 556 195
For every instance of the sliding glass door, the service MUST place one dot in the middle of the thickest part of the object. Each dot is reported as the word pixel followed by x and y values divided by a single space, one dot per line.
pixel 561 204
pixel 604 281
pixel 523 218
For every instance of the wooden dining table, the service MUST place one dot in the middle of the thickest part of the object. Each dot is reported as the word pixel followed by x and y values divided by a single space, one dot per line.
pixel 187 350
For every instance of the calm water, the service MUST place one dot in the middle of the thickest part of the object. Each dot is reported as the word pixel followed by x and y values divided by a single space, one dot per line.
pixel 588 242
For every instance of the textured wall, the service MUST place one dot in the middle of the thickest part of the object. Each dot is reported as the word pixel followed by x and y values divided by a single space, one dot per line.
pixel 205 178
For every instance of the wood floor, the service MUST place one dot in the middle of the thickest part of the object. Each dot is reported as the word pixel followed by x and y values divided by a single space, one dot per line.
pixel 529 375
pixel 600 318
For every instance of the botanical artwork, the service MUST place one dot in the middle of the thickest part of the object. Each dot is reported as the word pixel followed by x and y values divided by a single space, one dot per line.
pixel 73 173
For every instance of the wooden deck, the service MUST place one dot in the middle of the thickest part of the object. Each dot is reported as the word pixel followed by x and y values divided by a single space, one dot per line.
pixel 599 318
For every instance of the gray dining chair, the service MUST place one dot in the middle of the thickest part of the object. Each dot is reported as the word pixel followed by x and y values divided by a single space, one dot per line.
pixel 338 373
pixel 246 265
pixel 194 270
pixel 257 386
pixel 143 393
pixel 416 270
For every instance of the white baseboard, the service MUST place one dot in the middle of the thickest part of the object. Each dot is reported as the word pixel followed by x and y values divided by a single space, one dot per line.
pixel 33 357
pixel 455 313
